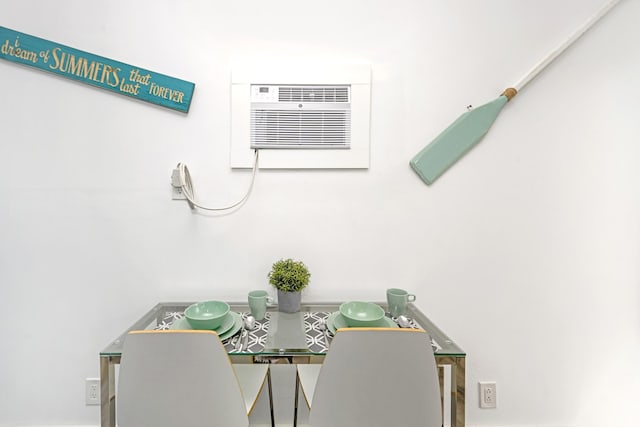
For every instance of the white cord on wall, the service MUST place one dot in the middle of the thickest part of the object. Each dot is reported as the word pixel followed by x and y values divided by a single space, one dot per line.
pixel 186 186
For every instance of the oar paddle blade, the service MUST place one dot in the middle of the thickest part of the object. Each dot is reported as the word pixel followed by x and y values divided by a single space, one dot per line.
pixel 456 140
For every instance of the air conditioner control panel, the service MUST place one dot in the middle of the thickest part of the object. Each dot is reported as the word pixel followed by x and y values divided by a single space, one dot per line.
pixel 264 93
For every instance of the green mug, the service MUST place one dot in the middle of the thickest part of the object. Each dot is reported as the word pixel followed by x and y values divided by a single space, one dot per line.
pixel 397 300
pixel 258 301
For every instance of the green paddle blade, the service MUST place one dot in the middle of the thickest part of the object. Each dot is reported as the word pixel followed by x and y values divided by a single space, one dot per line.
pixel 456 140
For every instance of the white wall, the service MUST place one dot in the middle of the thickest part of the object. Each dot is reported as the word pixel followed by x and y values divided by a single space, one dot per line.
pixel 526 252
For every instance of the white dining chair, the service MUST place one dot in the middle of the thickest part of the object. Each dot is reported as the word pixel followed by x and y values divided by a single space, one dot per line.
pixel 185 378
pixel 374 377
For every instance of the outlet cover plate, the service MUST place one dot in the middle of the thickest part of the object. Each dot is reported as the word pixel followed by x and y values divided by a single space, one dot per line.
pixel 487 394
pixel 92 391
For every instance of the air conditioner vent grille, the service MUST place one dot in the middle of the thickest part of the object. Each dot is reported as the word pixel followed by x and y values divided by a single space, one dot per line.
pixel 282 128
pixel 313 94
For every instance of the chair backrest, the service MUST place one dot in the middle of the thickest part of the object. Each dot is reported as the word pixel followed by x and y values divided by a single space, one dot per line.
pixel 378 377
pixel 177 378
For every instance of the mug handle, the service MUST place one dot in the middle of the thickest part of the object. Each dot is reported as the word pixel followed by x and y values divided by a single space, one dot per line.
pixel 270 301
pixel 411 298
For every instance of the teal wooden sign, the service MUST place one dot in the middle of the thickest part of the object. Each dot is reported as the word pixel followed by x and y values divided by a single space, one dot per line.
pixel 96 70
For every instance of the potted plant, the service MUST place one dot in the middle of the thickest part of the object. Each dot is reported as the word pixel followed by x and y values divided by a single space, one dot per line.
pixel 289 277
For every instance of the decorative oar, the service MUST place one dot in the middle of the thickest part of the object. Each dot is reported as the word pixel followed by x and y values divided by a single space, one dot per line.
pixel 463 134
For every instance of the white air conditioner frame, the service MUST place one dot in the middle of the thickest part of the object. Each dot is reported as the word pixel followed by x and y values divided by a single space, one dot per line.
pixel 357 156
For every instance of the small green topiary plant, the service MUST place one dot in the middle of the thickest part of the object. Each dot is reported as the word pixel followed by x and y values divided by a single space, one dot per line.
pixel 288 275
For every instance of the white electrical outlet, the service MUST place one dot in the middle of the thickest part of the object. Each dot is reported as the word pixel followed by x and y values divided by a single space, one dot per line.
pixel 176 186
pixel 92 391
pixel 487 394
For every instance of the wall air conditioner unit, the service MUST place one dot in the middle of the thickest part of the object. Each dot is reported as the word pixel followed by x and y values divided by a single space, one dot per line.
pixel 301 116
pixel 297 116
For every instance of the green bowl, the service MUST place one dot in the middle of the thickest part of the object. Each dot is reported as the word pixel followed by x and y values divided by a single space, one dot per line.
pixel 206 314
pixel 361 314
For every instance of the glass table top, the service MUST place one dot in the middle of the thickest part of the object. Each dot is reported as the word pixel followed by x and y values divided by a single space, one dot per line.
pixel 295 334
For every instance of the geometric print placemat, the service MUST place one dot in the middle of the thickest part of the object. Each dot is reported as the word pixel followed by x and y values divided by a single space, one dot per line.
pixel 314 322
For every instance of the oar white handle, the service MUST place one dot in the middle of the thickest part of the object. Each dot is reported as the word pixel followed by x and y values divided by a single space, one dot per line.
pixel 562 47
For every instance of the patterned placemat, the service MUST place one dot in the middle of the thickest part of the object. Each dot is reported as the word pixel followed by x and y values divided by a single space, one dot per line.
pixel 314 324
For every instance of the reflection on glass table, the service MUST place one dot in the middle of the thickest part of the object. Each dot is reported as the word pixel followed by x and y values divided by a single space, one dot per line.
pixel 302 337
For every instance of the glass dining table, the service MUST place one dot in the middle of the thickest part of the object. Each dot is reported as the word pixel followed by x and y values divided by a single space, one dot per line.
pixel 302 337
